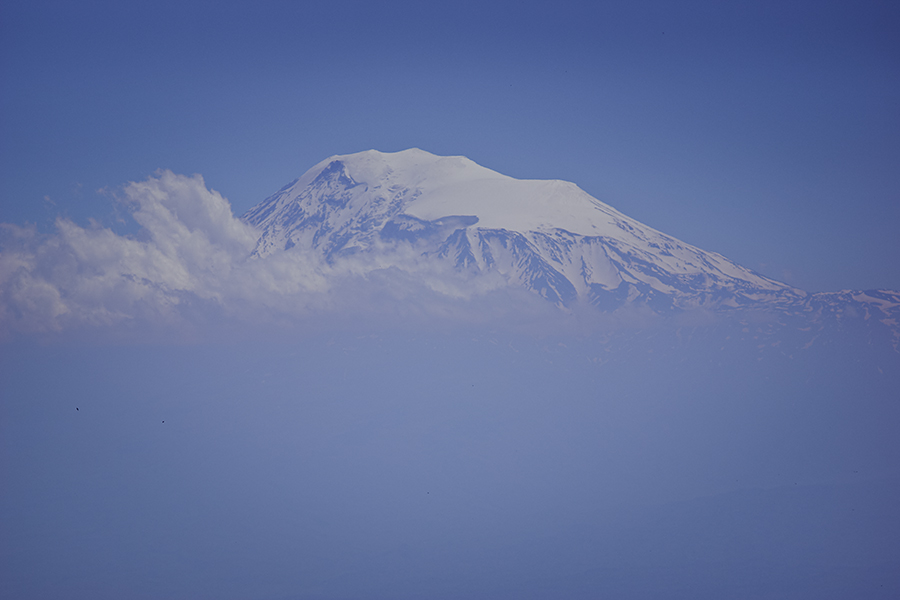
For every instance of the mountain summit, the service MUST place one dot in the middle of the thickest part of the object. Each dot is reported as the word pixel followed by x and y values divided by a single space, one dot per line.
pixel 550 237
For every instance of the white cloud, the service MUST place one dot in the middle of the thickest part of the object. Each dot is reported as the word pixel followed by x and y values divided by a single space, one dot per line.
pixel 190 263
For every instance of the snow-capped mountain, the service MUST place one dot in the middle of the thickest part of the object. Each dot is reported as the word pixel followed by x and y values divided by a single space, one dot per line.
pixel 550 237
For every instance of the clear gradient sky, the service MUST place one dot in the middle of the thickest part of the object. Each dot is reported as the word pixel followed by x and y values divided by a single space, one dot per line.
pixel 766 131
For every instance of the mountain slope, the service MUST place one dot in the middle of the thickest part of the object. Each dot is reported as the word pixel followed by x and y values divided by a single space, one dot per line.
pixel 547 236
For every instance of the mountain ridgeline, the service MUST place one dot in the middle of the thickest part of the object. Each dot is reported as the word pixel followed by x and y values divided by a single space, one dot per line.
pixel 549 237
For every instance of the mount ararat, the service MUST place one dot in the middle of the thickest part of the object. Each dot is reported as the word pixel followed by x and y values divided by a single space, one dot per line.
pixel 549 237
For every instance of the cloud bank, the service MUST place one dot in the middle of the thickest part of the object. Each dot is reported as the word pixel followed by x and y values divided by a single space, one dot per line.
pixel 190 265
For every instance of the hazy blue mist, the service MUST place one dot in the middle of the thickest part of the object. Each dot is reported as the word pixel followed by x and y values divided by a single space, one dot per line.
pixel 446 466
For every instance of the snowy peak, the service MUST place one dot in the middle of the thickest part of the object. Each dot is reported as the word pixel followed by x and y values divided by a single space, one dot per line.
pixel 456 185
pixel 548 236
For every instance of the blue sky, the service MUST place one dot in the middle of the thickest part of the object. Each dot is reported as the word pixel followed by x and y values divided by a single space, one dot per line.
pixel 767 131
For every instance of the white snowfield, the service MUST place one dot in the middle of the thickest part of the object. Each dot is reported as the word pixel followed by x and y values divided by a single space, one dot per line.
pixel 549 236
